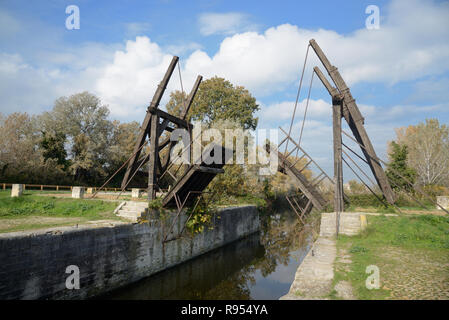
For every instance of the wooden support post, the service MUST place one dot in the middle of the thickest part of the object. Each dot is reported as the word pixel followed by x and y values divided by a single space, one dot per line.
pixel 144 129
pixel 154 156
pixel 355 121
pixel 338 166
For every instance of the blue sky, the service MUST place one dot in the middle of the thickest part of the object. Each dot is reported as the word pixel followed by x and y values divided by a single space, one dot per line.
pixel 399 74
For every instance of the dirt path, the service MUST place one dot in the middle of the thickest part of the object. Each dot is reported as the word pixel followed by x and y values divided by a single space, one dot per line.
pixel 33 222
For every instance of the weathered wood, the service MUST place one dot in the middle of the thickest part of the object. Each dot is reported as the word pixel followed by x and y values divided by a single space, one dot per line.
pixel 145 128
pixel 185 111
pixel 355 122
pixel 164 115
pixel 153 159
pixel 309 191
pixel 338 165
pixel 209 170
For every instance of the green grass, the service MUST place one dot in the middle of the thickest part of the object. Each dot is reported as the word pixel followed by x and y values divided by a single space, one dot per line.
pixel 31 204
pixel 426 233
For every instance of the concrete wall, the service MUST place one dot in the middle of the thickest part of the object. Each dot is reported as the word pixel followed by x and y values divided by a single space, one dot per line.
pixel 33 265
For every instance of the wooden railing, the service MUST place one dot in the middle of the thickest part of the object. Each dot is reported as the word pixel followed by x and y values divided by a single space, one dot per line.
pixel 43 187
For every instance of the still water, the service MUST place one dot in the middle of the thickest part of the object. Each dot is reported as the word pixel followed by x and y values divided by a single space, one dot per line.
pixel 260 266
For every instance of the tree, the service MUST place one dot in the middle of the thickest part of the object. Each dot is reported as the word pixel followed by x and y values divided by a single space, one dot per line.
pixel 428 146
pixel 83 120
pixel 52 145
pixel 220 104
pixel 121 147
pixel 218 99
pixel 356 187
pixel 21 160
pixel 17 145
pixel 398 167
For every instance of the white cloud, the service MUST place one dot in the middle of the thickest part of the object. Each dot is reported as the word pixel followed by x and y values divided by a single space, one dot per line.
pixel 403 49
pixel 129 82
pixel 223 23
pixel 125 77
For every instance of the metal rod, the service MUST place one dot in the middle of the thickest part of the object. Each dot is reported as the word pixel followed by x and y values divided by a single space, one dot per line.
pixel 118 170
pixel 297 95
pixel 366 185
pixel 307 106
pixel 364 160
pixel 400 175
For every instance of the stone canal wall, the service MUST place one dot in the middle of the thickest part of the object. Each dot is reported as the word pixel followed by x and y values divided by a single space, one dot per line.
pixel 33 264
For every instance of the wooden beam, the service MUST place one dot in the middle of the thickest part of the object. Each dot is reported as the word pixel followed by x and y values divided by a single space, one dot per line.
pixel 338 166
pixel 208 169
pixel 190 98
pixel 154 155
pixel 355 122
pixel 311 193
pixel 145 128
pixel 167 116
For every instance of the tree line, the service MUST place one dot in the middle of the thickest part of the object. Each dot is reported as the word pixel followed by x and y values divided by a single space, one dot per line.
pixel 420 154
pixel 76 143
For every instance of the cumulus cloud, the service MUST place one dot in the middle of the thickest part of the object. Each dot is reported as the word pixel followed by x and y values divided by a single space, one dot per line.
pixel 404 48
pixel 130 80
pixel 223 23
pixel 410 44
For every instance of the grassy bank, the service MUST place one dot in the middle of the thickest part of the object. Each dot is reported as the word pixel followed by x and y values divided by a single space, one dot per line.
pixel 411 252
pixel 33 210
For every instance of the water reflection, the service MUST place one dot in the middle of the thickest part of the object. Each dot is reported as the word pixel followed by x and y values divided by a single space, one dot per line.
pixel 261 266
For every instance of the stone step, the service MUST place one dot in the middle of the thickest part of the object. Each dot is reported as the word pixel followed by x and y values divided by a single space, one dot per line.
pixel 132 219
pixel 137 204
pixel 129 213
pixel 132 208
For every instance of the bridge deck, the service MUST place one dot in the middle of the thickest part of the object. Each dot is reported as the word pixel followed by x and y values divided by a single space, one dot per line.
pixel 196 178
pixel 306 187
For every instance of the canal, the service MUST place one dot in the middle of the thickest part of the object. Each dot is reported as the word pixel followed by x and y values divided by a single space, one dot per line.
pixel 260 266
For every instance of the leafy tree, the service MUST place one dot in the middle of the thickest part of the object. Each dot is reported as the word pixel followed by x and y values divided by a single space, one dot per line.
pixel 218 99
pixel 21 161
pixel 121 147
pixel 53 148
pixel 428 147
pixel 83 120
pixel 17 144
pixel 220 104
pixel 356 187
pixel 398 164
